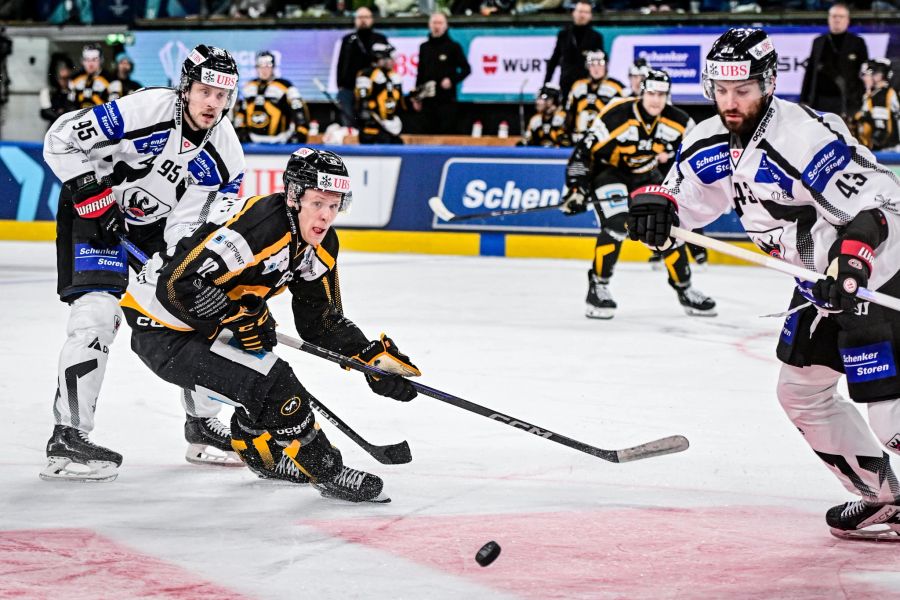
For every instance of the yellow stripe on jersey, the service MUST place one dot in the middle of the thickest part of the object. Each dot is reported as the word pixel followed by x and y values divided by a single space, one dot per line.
pixel 325 257
pixel 262 255
pixel 129 301
pixel 247 205
pixel 673 124
pixel 614 134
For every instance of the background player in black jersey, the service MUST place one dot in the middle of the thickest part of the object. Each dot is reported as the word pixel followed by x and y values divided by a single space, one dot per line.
pixel 876 122
pixel 271 110
pixel 379 99
pixel 91 86
pixel 547 127
pixel 588 96
pixel 201 322
pixel 629 145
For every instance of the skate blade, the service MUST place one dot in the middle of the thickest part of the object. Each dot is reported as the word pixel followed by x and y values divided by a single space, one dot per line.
pixel 64 469
pixel 696 312
pixel 889 533
pixel 207 456
pixel 381 498
pixel 657 265
pixel 595 312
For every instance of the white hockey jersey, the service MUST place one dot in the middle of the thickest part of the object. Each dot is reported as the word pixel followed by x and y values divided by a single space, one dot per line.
pixel 800 178
pixel 136 145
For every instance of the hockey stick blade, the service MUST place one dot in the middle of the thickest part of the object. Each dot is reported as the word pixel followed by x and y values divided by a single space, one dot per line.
pixel 392 454
pixel 437 207
pixel 668 445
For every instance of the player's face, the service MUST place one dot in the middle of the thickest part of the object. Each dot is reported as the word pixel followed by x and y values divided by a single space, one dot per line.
pixel 265 71
pixel 91 65
pixel 868 80
pixel 543 105
pixel 654 102
pixel 318 210
pixel 597 69
pixel 205 104
pixel 739 104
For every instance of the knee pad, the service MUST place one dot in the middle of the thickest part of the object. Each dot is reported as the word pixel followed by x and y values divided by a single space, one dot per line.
pixel 884 420
pixel 804 388
pixel 96 314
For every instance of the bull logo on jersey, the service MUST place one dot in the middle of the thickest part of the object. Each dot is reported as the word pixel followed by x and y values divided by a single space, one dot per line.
pixel 769 241
pixel 143 207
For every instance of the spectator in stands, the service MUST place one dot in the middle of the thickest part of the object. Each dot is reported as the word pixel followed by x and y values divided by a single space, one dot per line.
pixel 379 99
pixel 54 99
pixel 547 127
pixel 442 66
pixel 355 55
pixel 831 82
pixel 573 43
pixel 91 87
pixel 123 84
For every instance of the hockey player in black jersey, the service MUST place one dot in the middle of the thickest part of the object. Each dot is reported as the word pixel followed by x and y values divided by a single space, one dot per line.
pixel 154 163
pixel 629 145
pixel 877 121
pixel 91 86
pixel 201 321
pixel 807 193
pixel 379 99
pixel 271 110
pixel 588 96
pixel 547 127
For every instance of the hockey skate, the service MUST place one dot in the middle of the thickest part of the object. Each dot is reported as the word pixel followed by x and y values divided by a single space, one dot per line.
pixel 599 303
pixel 865 521
pixel 656 262
pixel 354 486
pixel 695 302
pixel 71 456
pixel 209 443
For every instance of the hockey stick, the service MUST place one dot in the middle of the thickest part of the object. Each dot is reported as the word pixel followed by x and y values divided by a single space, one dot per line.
pixel 776 264
pixel 378 120
pixel 392 454
pixel 438 207
pixel 522 107
pixel 667 445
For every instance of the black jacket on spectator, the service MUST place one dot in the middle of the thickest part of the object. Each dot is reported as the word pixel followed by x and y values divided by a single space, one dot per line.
pixel 441 57
pixel 572 43
pixel 54 102
pixel 356 55
pixel 831 82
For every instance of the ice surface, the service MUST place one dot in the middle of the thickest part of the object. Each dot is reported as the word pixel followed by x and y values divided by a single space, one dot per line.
pixel 740 514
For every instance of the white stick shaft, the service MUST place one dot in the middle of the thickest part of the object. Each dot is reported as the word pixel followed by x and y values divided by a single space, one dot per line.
pixel 776 264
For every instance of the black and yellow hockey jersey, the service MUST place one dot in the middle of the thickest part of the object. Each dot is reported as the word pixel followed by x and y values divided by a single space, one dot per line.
pixel 379 93
pixel 876 123
pixel 255 250
pixel 547 130
pixel 88 91
pixel 271 112
pixel 587 98
pixel 630 141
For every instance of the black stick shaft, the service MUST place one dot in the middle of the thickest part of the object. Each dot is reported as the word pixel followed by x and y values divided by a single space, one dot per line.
pixel 655 448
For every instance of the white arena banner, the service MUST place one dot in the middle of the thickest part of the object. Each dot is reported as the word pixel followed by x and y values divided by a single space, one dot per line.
pixel 683 56
pixel 373 182
pixel 406 61
pixel 503 64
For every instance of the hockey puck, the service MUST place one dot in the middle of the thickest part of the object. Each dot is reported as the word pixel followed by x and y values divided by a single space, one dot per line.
pixel 488 553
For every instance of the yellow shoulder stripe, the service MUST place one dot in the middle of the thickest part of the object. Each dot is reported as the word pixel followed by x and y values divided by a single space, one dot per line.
pixel 325 257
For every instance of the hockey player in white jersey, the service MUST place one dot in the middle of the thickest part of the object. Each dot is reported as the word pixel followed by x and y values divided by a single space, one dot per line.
pixel 807 193
pixel 153 164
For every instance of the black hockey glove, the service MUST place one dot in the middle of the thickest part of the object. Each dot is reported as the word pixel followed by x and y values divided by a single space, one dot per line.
pixel 847 272
pixel 652 211
pixel 574 203
pixel 253 325
pixel 383 354
pixel 97 205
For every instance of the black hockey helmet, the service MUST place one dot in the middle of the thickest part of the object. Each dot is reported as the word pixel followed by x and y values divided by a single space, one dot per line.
pixel 639 68
pixel 265 58
pixel 381 51
pixel 738 55
pixel 879 65
pixel 656 80
pixel 212 66
pixel 594 57
pixel 550 92
pixel 317 169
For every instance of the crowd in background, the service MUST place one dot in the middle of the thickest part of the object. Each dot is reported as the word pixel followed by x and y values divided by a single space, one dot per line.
pixel 840 77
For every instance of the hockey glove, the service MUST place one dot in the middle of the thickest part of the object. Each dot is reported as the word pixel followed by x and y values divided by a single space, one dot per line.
pixel 652 211
pixel 253 325
pixel 383 354
pixel 574 203
pixel 97 205
pixel 847 272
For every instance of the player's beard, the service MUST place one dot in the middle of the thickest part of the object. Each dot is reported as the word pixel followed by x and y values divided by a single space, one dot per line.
pixel 749 120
